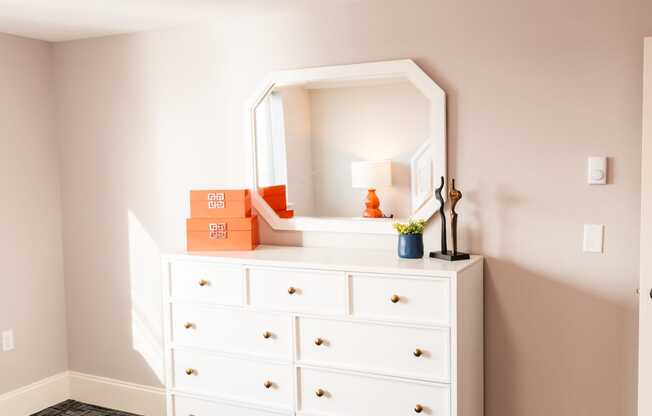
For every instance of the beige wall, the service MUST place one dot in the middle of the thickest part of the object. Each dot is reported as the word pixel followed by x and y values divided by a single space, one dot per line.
pixel 297 115
pixel 534 88
pixel 365 123
pixel 328 128
pixel 31 281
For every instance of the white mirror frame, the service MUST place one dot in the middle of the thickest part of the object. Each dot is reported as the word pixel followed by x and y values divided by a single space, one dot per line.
pixel 388 69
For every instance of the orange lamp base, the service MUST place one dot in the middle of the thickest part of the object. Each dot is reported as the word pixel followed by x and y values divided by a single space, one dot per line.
pixel 373 205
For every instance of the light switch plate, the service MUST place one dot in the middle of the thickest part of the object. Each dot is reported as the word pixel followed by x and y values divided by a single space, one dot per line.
pixel 8 340
pixel 593 238
pixel 597 173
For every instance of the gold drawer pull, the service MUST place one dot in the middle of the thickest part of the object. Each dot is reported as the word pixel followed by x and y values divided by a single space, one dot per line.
pixel 267 335
pixel 292 290
pixel 417 353
pixel 191 371
pixel 320 393
pixel 203 282
pixel 418 408
pixel 395 298
pixel 189 325
pixel 268 384
pixel 319 341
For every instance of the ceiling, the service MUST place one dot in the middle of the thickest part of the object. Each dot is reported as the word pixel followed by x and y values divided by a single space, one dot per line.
pixel 62 20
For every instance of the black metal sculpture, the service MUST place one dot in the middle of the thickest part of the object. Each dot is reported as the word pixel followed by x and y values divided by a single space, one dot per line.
pixel 454 195
pixel 442 214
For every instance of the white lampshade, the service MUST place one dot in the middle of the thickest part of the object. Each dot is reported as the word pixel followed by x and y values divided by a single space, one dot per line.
pixel 371 174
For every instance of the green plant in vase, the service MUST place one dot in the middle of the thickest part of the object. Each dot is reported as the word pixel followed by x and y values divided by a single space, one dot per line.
pixel 410 239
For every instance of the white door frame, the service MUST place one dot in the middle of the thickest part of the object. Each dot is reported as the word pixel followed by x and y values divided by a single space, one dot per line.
pixel 645 298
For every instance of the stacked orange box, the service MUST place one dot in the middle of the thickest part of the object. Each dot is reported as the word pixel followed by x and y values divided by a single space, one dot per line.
pixel 276 198
pixel 221 220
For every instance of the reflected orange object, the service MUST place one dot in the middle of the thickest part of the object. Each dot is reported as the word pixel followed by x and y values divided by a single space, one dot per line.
pixel 271 190
pixel 275 196
pixel 220 203
pixel 373 205
pixel 208 234
pixel 288 213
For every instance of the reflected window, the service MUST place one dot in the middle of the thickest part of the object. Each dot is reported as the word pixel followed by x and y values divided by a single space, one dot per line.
pixel 270 141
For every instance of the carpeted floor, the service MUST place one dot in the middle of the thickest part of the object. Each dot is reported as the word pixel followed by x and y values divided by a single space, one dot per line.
pixel 73 408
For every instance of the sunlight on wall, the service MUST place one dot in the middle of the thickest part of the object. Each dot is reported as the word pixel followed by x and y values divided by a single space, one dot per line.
pixel 144 272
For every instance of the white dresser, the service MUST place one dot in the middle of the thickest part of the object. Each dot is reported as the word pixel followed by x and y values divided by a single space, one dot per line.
pixel 322 332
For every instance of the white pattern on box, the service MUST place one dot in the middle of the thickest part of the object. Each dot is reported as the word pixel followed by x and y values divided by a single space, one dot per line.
pixel 215 204
pixel 217 235
pixel 215 200
pixel 216 196
pixel 217 231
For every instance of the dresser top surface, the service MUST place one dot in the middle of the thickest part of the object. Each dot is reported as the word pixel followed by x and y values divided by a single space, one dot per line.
pixel 378 261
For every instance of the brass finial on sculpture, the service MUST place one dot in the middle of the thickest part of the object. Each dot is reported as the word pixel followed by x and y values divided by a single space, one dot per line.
pixel 455 195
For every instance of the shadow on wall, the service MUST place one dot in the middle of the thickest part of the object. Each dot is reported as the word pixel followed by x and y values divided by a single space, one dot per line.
pixel 551 346
pixel 574 346
pixel 146 297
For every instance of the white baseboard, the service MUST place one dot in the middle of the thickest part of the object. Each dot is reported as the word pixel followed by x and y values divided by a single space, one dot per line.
pixel 118 395
pixel 36 397
pixel 100 391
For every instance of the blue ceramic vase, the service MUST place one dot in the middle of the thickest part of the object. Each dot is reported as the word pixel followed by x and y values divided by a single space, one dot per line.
pixel 410 246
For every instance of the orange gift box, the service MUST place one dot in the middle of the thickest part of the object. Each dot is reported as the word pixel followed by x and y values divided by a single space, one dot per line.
pixel 220 203
pixel 288 213
pixel 274 196
pixel 208 234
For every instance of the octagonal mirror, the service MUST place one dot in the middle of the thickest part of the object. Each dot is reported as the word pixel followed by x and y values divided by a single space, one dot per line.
pixel 349 148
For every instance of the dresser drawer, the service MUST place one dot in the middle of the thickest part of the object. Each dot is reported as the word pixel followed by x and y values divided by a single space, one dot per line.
pixel 401 299
pixel 232 330
pixel 233 378
pixel 207 282
pixel 340 394
pixel 418 352
pixel 186 406
pixel 298 291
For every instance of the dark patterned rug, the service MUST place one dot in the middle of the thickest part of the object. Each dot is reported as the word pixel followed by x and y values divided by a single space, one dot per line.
pixel 73 408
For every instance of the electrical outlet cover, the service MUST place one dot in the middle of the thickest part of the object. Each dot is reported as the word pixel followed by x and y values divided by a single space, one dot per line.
pixel 597 174
pixel 8 340
pixel 593 238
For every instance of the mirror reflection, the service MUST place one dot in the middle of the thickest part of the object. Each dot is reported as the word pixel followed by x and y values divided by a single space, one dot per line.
pixel 356 148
